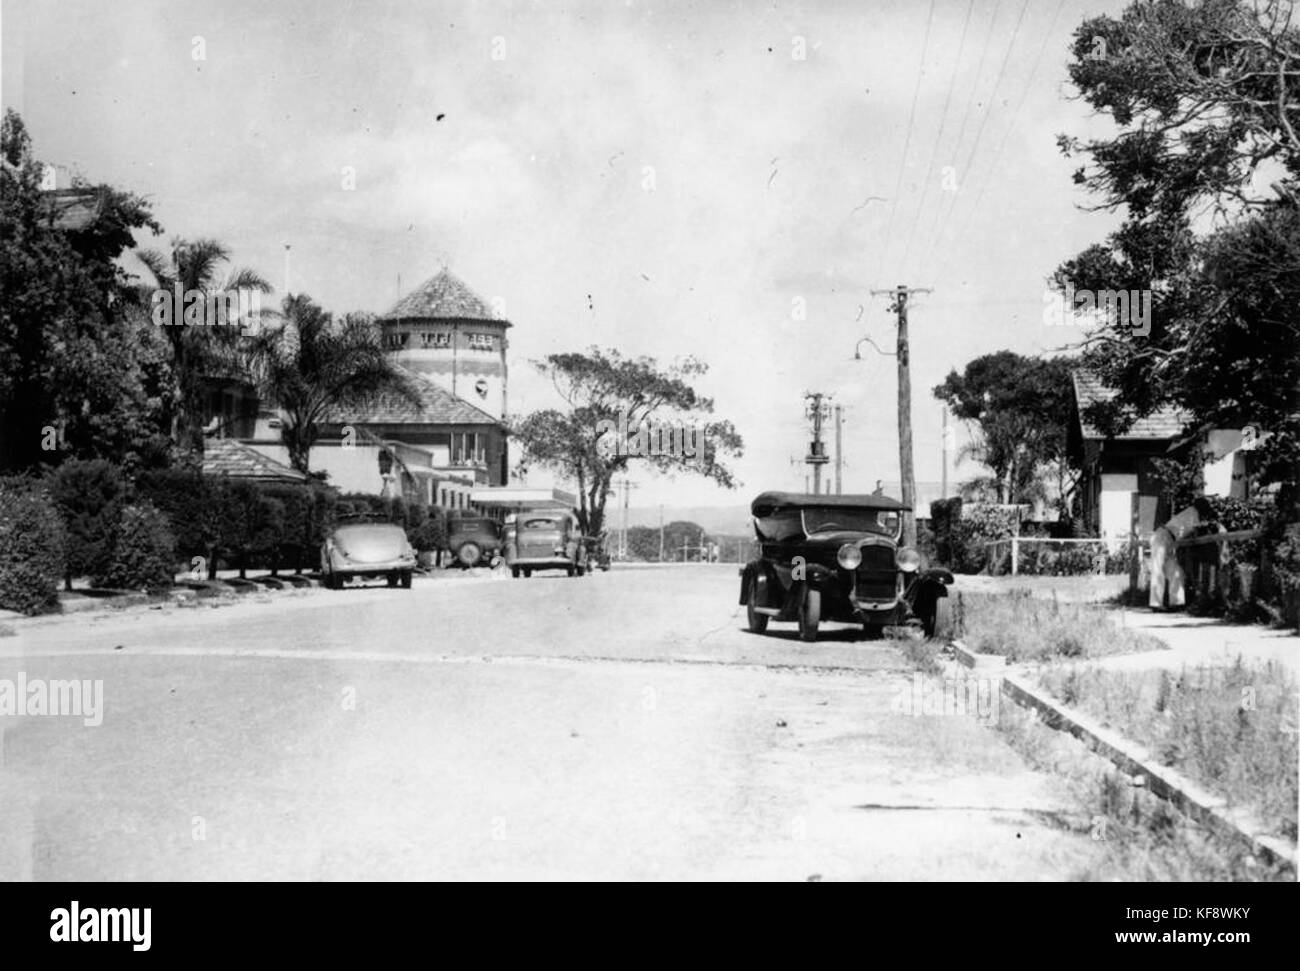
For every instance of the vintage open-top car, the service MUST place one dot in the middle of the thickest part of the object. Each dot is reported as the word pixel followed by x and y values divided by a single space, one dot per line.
pixel 838 558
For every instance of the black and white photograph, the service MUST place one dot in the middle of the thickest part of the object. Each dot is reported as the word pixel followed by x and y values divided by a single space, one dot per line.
pixel 761 441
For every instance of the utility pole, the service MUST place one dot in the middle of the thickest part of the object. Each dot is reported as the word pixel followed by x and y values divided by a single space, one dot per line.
pixel 817 450
pixel 839 456
pixel 901 294
pixel 944 453
pixel 661 532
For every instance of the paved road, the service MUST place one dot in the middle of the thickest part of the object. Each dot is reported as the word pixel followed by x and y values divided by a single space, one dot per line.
pixel 621 726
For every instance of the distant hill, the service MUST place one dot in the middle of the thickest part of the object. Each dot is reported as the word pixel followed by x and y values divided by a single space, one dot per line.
pixel 721 520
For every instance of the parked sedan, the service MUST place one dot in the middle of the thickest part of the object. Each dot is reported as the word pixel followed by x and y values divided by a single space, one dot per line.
pixel 547 540
pixel 367 550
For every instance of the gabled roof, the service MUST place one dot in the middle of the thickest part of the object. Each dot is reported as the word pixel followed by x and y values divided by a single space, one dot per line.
pixel 73 209
pixel 436 406
pixel 225 456
pixel 441 297
pixel 1161 424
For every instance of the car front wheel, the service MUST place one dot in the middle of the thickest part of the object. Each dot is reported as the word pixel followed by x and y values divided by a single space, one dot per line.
pixel 757 621
pixel 941 624
pixel 810 614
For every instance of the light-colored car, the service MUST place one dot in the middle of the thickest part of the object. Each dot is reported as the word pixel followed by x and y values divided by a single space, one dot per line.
pixel 545 540
pixel 365 549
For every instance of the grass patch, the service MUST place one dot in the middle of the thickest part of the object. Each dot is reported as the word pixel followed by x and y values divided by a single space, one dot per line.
pixel 1231 728
pixel 1022 627
pixel 1138 836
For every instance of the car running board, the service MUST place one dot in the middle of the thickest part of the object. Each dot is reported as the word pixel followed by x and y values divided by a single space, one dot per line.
pixel 770 611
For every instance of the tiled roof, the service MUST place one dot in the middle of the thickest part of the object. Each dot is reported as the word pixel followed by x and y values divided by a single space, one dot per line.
pixel 1163 423
pixel 225 456
pixel 441 297
pixel 437 406
pixel 74 209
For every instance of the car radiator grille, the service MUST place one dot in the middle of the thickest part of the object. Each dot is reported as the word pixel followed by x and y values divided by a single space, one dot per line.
pixel 877 574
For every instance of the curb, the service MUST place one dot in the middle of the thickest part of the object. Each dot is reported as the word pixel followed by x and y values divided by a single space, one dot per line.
pixel 1209 810
pixel 980 662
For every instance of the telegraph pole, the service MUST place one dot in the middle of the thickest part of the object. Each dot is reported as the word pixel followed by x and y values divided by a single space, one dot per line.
pixel 944 453
pixel 901 294
pixel 661 532
pixel 817 450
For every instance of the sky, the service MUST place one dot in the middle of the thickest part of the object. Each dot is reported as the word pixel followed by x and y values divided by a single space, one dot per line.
pixel 725 181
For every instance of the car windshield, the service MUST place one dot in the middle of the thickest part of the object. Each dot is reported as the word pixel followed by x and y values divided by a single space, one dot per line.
pixel 541 524
pixel 822 519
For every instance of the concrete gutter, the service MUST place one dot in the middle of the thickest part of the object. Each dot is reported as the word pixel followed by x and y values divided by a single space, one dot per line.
pixel 1209 810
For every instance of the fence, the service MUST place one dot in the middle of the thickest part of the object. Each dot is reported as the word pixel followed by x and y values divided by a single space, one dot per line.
pixel 1207 566
pixel 1112 555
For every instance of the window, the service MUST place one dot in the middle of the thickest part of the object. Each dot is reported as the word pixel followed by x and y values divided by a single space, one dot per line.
pixel 396 340
pixel 438 338
pixel 482 342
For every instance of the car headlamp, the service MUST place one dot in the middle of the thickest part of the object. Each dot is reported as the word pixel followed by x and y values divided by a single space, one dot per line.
pixel 908 560
pixel 849 556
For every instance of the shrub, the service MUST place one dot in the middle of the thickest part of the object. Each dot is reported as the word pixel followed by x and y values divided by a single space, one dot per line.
pixel 144 551
pixel 31 551
pixel 88 496
pixel 945 514
pixel 189 503
pixel 295 527
pixel 251 524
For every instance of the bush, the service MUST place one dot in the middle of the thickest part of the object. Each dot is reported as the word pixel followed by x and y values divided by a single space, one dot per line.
pixel 945 514
pixel 188 500
pixel 251 524
pixel 144 551
pixel 31 551
pixel 88 496
pixel 295 528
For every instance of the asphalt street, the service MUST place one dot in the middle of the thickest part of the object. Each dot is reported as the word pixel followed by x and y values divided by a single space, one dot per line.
pixel 618 726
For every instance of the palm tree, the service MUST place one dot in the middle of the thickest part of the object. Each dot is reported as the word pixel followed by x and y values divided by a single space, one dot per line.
pixel 308 363
pixel 198 352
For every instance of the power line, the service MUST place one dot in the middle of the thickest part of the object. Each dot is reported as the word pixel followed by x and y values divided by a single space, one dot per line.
pixel 1002 68
pixel 961 131
pixel 943 121
pixel 1006 134
pixel 911 118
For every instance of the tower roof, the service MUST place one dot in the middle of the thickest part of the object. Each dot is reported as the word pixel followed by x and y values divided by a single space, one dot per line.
pixel 441 297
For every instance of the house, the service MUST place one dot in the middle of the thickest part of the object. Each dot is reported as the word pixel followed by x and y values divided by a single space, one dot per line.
pixel 1116 469
pixel 438 449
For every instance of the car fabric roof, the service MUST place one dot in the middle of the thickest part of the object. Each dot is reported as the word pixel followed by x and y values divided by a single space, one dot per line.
pixel 771 501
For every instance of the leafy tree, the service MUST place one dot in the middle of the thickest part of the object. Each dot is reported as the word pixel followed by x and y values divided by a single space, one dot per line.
pixel 1205 167
pixel 81 371
pixel 599 388
pixel 309 363
pixel 1021 407
pixel 143 555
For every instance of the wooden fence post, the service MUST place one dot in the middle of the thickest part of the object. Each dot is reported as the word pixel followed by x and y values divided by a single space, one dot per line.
pixel 1134 546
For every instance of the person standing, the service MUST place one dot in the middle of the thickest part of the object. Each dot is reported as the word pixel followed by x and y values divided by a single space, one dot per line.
pixel 1168 588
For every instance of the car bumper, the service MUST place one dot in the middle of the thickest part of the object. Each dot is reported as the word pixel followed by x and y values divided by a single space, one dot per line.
pixel 382 568
pixel 541 562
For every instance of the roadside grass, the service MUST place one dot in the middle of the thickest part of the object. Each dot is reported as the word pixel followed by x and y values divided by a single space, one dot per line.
pixel 1022 627
pixel 1231 728
pixel 1138 835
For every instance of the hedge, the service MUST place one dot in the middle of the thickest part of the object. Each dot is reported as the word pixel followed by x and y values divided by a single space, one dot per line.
pixel 31 550
pixel 88 496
